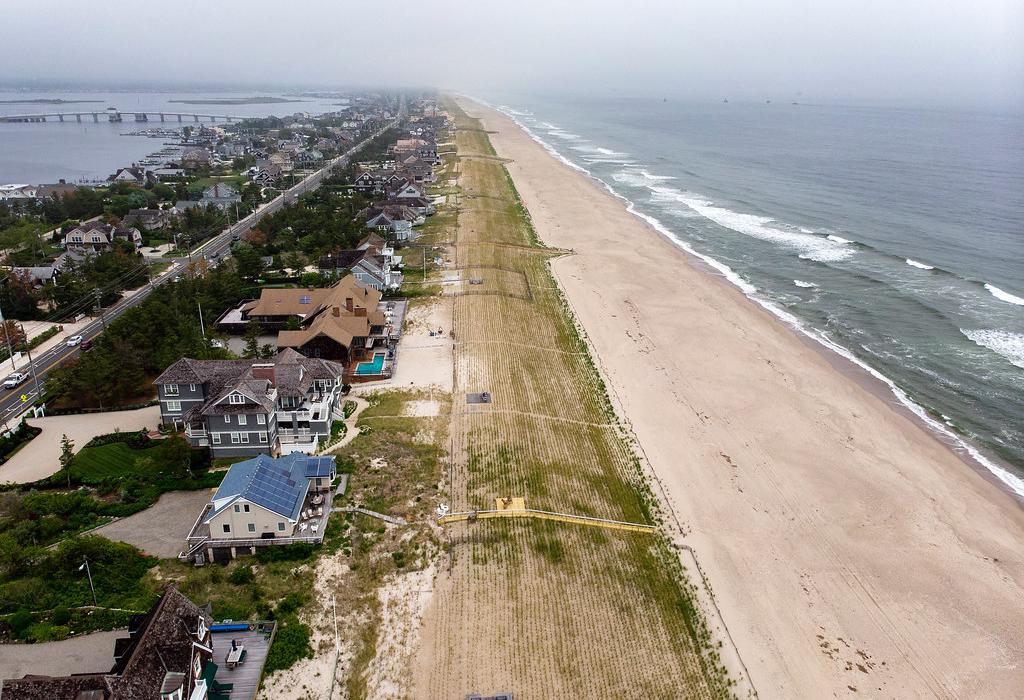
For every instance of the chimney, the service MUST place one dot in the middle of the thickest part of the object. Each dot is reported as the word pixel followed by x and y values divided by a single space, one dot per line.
pixel 348 303
pixel 264 371
pixel 336 312
pixel 361 311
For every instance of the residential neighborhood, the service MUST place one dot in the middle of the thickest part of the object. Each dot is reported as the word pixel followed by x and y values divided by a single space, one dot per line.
pixel 245 296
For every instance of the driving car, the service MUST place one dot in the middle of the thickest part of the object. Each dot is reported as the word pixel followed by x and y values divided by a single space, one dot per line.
pixel 75 340
pixel 14 379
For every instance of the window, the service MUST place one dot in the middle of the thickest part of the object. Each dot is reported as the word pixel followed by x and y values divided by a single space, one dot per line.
pixel 245 438
pixel 261 419
pixel 280 526
pixel 227 419
pixel 236 398
pixel 246 507
pixel 241 419
pixel 174 406
pixel 235 438
pixel 252 527
pixel 170 389
pixel 215 438
pixel 191 387
pixel 263 438
pixel 236 507
pixel 227 527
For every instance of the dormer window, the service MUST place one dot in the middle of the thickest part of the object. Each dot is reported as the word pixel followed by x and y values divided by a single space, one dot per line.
pixel 201 632
pixel 236 399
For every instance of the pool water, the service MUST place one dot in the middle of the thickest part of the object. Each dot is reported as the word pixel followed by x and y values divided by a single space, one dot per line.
pixel 374 367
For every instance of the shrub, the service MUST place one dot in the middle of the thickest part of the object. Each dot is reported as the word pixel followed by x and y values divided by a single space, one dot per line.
pixel 242 575
pixel 60 616
pixel 292 552
pixel 291 643
pixel 19 622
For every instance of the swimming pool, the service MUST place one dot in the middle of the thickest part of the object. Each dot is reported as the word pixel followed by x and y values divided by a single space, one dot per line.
pixel 374 367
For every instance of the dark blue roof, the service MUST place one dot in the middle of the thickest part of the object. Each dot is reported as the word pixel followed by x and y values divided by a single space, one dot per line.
pixel 319 466
pixel 275 484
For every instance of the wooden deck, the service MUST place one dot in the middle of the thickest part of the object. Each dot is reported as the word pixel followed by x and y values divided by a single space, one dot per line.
pixel 246 677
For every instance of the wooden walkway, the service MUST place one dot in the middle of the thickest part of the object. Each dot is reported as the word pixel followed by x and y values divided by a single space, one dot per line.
pixel 394 520
pixel 475 515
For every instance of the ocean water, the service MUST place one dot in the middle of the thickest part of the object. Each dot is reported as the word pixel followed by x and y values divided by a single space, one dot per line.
pixel 892 236
pixel 34 153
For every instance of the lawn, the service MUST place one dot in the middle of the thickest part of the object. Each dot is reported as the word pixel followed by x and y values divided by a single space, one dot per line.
pixel 94 464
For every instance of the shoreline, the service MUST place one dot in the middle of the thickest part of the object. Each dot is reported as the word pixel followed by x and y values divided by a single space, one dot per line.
pixel 981 460
pixel 838 539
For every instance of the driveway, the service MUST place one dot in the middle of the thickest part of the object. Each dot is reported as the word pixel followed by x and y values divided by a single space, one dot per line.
pixel 41 457
pixel 160 530
pixel 87 653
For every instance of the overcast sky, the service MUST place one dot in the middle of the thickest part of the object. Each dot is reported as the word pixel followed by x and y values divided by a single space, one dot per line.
pixel 935 50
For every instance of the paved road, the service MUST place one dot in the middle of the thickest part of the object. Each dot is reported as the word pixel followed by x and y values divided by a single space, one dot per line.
pixel 16 401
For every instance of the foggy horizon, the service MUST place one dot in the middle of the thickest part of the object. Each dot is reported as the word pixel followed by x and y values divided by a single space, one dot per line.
pixel 914 52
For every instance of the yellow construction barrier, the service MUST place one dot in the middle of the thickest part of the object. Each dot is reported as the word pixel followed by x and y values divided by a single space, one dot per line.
pixel 516 508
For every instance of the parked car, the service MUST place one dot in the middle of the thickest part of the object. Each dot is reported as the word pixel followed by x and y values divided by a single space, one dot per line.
pixel 14 379
pixel 75 340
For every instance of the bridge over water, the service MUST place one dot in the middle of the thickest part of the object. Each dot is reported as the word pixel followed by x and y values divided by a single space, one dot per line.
pixel 115 116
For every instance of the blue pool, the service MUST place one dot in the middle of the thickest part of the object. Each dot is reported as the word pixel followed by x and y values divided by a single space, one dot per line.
pixel 374 367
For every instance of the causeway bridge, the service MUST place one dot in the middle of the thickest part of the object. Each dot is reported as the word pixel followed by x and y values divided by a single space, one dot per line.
pixel 115 116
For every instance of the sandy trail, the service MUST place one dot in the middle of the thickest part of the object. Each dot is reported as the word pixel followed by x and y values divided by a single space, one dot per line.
pixel 850 551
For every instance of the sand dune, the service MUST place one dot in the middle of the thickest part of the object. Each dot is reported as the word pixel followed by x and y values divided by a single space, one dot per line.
pixel 851 552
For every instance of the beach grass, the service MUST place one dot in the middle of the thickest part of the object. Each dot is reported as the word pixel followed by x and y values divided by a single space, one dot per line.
pixel 544 608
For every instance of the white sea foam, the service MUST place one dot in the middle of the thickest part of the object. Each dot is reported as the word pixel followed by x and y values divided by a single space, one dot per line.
pixel 1012 481
pixel 810 247
pixel 805 285
pixel 601 150
pixel 919 265
pixel 565 135
pixel 656 178
pixel 1003 296
pixel 837 239
pixel 1004 343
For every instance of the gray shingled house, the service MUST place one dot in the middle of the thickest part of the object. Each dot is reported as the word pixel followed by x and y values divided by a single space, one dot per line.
pixel 248 407
pixel 166 654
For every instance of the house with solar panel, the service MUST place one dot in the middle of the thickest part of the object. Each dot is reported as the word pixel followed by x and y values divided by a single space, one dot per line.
pixel 264 501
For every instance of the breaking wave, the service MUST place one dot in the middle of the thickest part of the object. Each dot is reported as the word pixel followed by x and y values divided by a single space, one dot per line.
pixel 1008 345
pixel 1003 296
pixel 919 265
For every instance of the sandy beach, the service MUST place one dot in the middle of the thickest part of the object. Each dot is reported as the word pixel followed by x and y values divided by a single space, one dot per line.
pixel 851 552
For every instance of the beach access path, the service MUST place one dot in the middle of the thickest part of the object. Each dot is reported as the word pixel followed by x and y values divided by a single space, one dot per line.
pixel 851 552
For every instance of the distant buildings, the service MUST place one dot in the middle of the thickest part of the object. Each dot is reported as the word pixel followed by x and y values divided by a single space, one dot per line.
pixel 99 237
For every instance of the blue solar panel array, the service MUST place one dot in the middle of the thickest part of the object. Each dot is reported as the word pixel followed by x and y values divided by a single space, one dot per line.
pixel 273 488
pixel 319 466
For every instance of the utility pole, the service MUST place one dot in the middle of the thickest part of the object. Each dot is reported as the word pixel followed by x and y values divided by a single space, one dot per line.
pixel 31 366
pixel 88 572
pixel 202 327
pixel 7 337
pixel 103 319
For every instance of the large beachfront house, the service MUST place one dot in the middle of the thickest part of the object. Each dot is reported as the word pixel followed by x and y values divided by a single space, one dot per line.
pixel 167 655
pixel 266 501
pixel 246 407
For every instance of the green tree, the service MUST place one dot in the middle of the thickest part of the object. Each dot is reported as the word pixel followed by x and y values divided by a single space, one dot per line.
pixel 247 261
pixel 67 456
pixel 252 340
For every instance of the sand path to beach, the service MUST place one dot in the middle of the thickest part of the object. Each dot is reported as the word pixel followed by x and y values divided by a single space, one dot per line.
pixel 852 554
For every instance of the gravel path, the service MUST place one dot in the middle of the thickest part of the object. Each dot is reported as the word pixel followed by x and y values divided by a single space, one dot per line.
pixel 160 530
